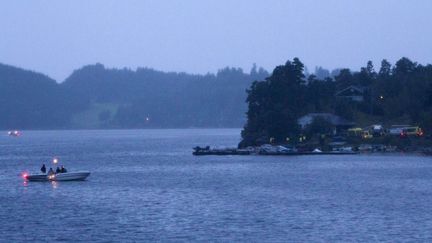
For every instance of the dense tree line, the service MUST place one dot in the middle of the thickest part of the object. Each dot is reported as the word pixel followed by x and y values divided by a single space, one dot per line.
pixel 150 98
pixel 398 94
pixel 141 98
pixel 32 100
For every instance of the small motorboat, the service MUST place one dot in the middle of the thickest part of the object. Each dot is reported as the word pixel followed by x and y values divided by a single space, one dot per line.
pixel 14 133
pixel 68 176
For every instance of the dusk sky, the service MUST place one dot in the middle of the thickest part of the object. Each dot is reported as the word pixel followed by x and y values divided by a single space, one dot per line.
pixel 57 37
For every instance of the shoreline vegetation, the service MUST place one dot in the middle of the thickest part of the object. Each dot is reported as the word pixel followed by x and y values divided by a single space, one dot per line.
pixel 355 111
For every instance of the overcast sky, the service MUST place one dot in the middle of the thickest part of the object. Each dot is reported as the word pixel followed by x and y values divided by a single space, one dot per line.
pixel 197 36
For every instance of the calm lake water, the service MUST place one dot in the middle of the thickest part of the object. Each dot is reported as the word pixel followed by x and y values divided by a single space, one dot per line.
pixel 146 186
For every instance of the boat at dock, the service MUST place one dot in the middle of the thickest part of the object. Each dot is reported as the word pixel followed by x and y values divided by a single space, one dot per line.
pixel 224 151
pixel 265 150
pixel 221 152
pixel 309 153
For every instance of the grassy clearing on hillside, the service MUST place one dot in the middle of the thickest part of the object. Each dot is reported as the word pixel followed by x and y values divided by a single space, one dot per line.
pixel 98 115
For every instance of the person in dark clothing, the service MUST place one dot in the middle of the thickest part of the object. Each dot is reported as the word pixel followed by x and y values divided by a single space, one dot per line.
pixel 51 171
pixel 58 170
pixel 43 169
pixel 63 169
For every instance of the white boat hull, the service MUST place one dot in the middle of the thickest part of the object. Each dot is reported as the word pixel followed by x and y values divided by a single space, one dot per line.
pixel 68 176
pixel 73 176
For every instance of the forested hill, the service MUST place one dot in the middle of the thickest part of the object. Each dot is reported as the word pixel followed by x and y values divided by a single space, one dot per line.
pixel 31 100
pixel 97 97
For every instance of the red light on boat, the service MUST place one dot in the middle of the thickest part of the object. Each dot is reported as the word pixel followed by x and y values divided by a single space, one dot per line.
pixel 25 175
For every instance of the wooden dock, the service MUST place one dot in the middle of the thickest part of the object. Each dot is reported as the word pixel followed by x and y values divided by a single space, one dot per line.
pixel 200 152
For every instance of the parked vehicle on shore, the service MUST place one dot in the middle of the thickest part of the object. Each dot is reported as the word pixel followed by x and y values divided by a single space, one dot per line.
pixel 377 130
pixel 412 131
pixel 396 130
pixel 359 132
pixel 366 135
pixel 355 132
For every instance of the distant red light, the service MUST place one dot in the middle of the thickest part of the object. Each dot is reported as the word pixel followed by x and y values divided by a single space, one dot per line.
pixel 25 175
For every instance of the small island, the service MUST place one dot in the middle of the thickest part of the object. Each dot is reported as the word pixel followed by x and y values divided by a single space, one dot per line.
pixel 293 113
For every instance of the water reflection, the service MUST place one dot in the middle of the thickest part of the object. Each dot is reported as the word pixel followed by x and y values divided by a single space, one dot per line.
pixel 54 184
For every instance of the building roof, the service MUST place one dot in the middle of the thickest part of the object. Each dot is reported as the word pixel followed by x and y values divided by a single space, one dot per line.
pixel 351 90
pixel 332 118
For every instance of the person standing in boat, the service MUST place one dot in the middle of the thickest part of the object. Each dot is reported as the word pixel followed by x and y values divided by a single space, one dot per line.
pixel 43 168
pixel 58 170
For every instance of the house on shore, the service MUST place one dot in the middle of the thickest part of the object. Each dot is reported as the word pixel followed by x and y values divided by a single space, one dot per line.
pixel 339 123
pixel 352 92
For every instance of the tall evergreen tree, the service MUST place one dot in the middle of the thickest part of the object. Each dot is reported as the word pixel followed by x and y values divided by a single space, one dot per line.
pixel 275 105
